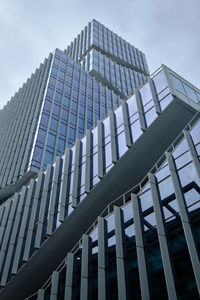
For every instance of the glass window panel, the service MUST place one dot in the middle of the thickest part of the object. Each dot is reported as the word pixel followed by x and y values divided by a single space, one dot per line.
pixel 130 230
pixel 108 155
pixel 48 157
pixel 174 205
pixel 44 119
pixel 198 96
pixel 95 164
pixel 95 137
pixel 195 133
pixel 51 140
pixel 145 92
pixel 136 130
pixel 73 119
pixel 167 213
pixel 144 188
pixel 188 174
pixel 148 106
pixel 41 135
pixel 146 200
pixel 166 188
pixel 150 116
pixel 64 114
pixel 63 129
pixel 178 84
pixel 61 145
pixel 72 133
pixel 37 154
pixel 198 149
pixel 54 124
pixel 106 123
pixel 134 117
pixel 190 93
pixel 56 110
pixel 47 105
pixel 122 148
pixel 164 93
pixel 132 106
pixel 128 212
pixel 191 197
pixel 151 219
pixel 162 173
pixel 83 174
pixel 81 123
pixel 180 149
pixel 183 159
pixel 119 117
pixel 110 222
pixel 165 101
pixel 194 207
pixel 160 81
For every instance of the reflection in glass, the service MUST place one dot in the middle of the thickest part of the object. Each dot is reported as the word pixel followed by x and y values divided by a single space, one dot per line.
pixel 178 84
pixel 146 200
pixel 195 133
pixel 136 130
pixel 166 188
pixel 150 116
pixel 165 101
pixel 145 93
pixel 122 148
pixel 188 174
pixel 160 81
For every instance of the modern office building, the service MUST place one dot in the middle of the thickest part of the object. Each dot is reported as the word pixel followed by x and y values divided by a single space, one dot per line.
pixel 100 180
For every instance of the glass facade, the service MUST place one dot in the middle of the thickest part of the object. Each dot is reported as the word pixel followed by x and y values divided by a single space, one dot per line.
pixel 74 101
pixel 111 250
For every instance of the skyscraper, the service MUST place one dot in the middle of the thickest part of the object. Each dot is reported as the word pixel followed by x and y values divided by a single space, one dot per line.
pixel 100 178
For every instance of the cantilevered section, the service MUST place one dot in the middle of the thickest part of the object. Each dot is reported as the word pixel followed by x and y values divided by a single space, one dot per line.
pixel 156 223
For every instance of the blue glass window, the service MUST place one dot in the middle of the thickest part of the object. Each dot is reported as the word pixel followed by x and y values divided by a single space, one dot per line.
pixel 72 133
pixel 73 119
pixel 54 124
pixel 150 116
pixel 52 81
pixel 47 105
pixel 121 144
pixel 81 123
pixel 136 130
pixel 61 145
pixel 56 110
pixel 41 135
pixel 51 140
pixel 60 85
pixel 63 129
pixel 48 157
pixel 54 71
pixel 145 92
pixel 64 114
pixel 44 119
pixel 66 101
pixel 37 156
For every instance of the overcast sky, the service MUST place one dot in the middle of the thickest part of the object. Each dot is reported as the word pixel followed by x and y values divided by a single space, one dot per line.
pixel 167 31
